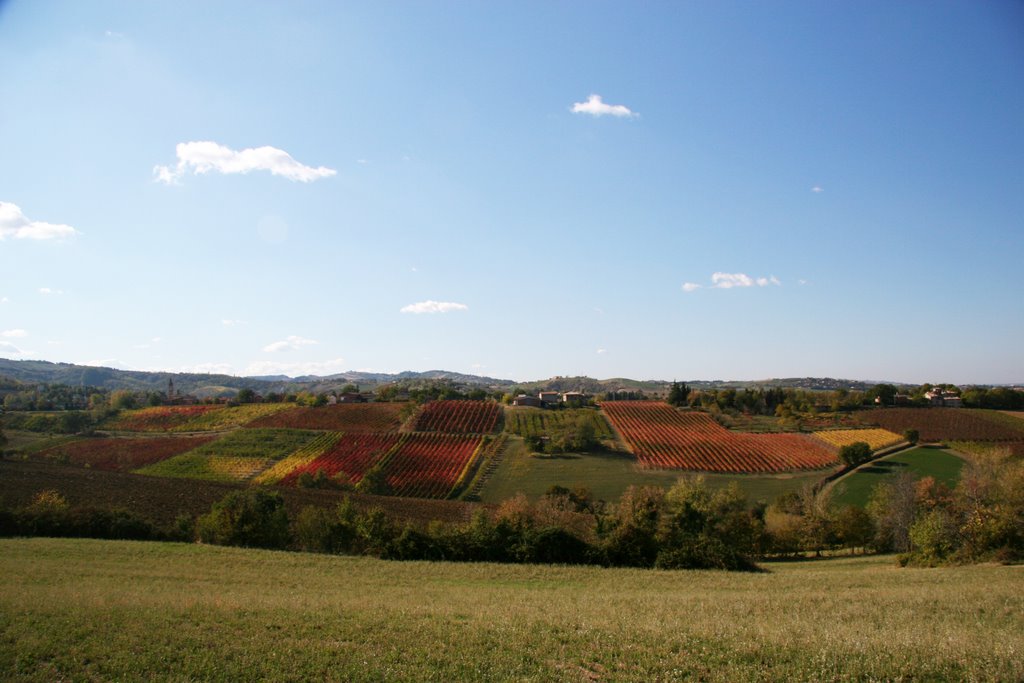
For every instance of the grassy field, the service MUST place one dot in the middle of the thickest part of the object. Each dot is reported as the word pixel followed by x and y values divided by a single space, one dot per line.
pixel 855 489
pixel 608 474
pixel 101 610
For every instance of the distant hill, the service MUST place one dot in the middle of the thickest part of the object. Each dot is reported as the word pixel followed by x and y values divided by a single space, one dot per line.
pixel 203 385
pixel 45 372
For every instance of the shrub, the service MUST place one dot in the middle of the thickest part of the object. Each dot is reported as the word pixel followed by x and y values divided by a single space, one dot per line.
pixel 855 454
pixel 251 518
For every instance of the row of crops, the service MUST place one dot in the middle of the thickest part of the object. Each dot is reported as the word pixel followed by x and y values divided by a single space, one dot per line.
pixel 540 422
pixel 420 465
pixel 665 438
pixel 948 424
pixel 459 417
pixel 369 417
pixel 877 439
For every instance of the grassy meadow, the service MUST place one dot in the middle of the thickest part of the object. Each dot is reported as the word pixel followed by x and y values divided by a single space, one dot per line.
pixel 102 610
pixel 855 488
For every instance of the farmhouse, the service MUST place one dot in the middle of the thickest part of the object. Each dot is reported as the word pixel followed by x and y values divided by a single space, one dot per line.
pixel 938 397
pixel 524 400
pixel 549 398
pixel 574 398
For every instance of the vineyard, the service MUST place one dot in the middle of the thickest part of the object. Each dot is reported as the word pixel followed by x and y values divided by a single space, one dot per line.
pixel 665 438
pixel 122 455
pixel 459 417
pixel 201 418
pixel 351 455
pixel 414 465
pixel 158 419
pixel 947 424
pixel 193 465
pixel 305 455
pixel 238 456
pixel 353 417
pixel 429 465
pixel 877 439
pixel 538 422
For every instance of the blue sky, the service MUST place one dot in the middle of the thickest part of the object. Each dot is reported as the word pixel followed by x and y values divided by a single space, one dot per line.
pixel 684 190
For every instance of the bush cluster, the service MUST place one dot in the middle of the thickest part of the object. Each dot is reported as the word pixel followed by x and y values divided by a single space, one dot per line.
pixel 49 514
pixel 690 526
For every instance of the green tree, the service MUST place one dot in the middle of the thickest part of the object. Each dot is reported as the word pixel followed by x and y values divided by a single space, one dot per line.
pixel 245 395
pixel 855 453
pixel 375 482
pixel 678 394
pixel 249 518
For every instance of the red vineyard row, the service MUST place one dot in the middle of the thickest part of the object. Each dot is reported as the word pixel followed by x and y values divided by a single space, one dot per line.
pixel 353 417
pixel 415 465
pixel 665 438
pixel 459 417
pixel 942 424
pixel 123 455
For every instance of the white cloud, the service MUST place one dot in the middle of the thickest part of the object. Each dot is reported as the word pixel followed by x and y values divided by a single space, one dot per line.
pixel 730 280
pixel 10 350
pixel 4 300
pixel 290 343
pixel 601 352
pixel 228 322
pixel 268 367
pixel 13 334
pixel 802 283
pixel 433 307
pixel 203 157
pixel 208 369
pixel 16 225
pixel 595 107
pixel 817 189
pixel 48 291
pixel 107 363
pixel 734 280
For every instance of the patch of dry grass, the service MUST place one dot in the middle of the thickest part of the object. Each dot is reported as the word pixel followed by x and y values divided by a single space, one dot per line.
pixel 96 609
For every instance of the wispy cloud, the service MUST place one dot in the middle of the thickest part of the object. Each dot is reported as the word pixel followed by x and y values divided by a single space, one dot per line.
pixel 11 351
pixel 433 307
pixel 596 107
pixel 268 367
pixel 203 157
pixel 803 283
pixel 817 189
pixel 208 369
pixel 13 334
pixel 733 281
pixel 228 322
pixel 290 343
pixel 49 291
pixel 4 300
pixel 16 225
pixel 107 363
pixel 601 352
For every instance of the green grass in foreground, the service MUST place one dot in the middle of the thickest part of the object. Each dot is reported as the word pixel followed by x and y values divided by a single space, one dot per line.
pixel 856 488
pixel 102 610
pixel 608 474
